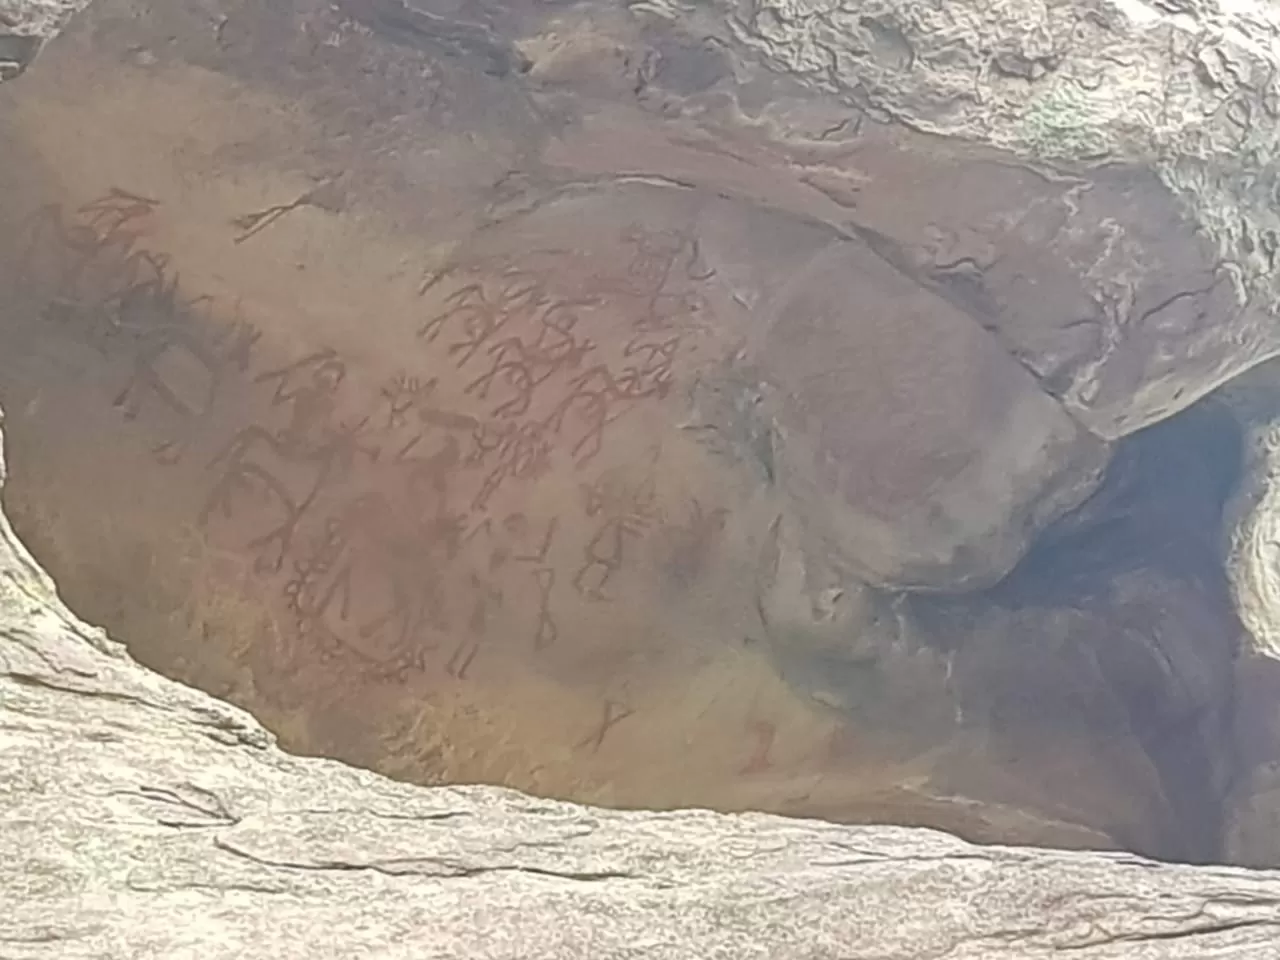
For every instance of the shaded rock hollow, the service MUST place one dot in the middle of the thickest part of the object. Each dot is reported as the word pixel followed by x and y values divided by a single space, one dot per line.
pixel 173 825
pixel 609 404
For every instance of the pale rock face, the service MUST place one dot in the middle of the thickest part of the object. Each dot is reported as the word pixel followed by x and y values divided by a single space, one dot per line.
pixel 662 405
pixel 1253 516
pixel 1251 530
pixel 1253 560
pixel 25 25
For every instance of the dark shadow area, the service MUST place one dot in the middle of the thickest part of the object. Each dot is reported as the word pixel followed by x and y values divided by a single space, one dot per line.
pixel 1159 508
pixel 1128 592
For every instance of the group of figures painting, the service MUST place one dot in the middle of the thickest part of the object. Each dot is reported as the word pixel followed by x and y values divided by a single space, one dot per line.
pixel 399 517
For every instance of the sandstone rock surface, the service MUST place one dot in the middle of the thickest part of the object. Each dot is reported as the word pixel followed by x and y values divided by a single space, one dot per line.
pixel 605 401
pixel 144 819
pixel 1252 525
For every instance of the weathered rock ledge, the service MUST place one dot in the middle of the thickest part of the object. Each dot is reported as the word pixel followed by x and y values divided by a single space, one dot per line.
pixel 144 819
pixel 26 25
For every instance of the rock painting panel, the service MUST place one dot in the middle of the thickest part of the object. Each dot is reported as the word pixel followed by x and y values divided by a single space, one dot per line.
pixel 105 288
pixel 397 525
pixel 484 503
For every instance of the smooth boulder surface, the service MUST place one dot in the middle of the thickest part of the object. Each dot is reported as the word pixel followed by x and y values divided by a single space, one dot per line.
pixel 144 819
pixel 1252 527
